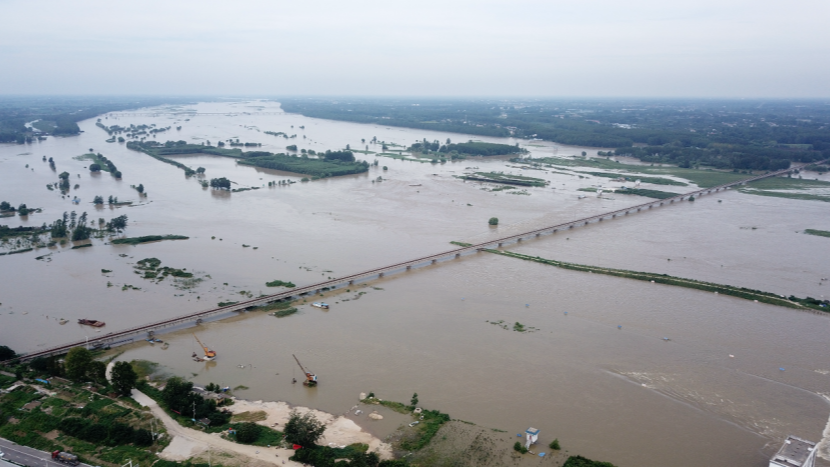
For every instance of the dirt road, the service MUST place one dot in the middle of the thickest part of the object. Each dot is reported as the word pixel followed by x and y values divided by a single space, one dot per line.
pixel 188 443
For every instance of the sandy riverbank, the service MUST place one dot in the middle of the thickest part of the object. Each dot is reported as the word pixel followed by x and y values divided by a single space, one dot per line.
pixel 339 430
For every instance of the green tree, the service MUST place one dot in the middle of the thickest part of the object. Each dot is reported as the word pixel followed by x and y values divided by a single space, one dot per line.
pixel 118 223
pixel 142 437
pixel 22 210
pixel 176 393
pixel 493 221
pixel 583 153
pixel 140 188
pixel 247 432
pixel 117 174
pixel 554 445
pixel 414 400
pixel 200 170
pixel 96 371
pixel 303 430
pixel 221 183
pixel 6 353
pixel 98 200
pixel 95 167
pixel 77 363
pixel 5 206
pixel 123 378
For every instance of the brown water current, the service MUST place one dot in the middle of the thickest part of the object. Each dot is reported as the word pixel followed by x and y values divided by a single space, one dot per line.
pixel 622 395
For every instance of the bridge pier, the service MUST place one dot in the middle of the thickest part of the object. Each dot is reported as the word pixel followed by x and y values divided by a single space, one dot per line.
pixel 519 240
pixel 380 275
pixel 458 255
pixel 639 209
pixel 599 220
pixel 613 216
pixel 433 262
pixel 500 244
pixel 538 235
pixel 409 267
pixel 351 282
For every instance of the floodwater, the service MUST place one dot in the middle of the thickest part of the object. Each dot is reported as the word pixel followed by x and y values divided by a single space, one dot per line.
pixel 622 395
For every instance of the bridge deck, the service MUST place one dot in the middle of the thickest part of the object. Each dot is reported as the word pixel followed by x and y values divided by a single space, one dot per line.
pixel 118 337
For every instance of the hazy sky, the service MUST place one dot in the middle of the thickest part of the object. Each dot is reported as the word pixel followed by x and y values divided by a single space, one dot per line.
pixel 661 48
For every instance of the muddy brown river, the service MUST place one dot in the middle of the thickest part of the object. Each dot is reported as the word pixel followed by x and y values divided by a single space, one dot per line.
pixel 625 395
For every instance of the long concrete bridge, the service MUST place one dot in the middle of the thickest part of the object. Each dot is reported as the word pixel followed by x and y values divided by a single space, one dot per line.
pixel 147 330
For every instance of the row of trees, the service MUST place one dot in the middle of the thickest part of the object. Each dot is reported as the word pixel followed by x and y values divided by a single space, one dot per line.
pixel 95 167
pixel 75 227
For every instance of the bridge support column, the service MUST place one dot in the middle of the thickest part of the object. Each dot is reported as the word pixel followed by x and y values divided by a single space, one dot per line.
pixel 613 216
pixel 538 235
pixel 500 244
pixel 409 267
pixel 458 255
pixel 571 227
pixel 599 220
pixel 351 282
pixel 380 275
pixel 433 262
pixel 519 240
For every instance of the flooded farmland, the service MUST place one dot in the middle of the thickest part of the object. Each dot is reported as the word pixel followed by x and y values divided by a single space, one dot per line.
pixel 683 366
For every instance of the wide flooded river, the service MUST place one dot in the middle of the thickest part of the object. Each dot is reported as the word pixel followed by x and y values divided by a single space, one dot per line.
pixel 713 394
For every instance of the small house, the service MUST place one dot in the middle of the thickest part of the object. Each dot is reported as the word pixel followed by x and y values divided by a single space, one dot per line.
pixel 531 436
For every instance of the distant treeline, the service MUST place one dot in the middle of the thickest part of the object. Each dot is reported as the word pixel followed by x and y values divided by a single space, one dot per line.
pixel 757 135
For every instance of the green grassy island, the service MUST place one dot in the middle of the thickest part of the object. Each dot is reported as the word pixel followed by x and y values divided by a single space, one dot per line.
pixel 329 164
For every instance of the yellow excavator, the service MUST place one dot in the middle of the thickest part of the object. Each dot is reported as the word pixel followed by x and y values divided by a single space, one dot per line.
pixel 209 355
pixel 311 379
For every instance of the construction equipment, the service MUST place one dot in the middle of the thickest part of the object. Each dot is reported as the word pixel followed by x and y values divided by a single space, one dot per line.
pixel 209 355
pixel 65 457
pixel 311 379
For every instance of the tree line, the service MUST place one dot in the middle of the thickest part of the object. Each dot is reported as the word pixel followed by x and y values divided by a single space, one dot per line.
pixel 762 134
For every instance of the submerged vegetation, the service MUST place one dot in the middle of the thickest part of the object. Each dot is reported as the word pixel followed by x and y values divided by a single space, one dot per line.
pixel 646 193
pixel 146 239
pixel 328 164
pixel 278 283
pixel 501 178
pixel 735 291
pixel 789 187
pixel 816 232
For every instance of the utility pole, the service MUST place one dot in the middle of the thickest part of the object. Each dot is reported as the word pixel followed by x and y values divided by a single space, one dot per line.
pixel 194 411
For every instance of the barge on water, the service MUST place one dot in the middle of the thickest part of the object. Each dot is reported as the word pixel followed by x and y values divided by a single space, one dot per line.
pixel 92 323
pixel 320 305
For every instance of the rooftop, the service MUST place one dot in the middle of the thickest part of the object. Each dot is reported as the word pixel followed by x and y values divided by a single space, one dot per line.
pixel 794 452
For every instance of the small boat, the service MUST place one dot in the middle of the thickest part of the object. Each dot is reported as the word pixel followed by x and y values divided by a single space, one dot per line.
pixel 320 305
pixel 92 323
